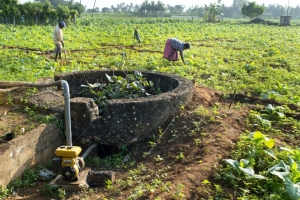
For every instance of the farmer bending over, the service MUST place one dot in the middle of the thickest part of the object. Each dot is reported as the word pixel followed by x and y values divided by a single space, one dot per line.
pixel 172 47
pixel 58 39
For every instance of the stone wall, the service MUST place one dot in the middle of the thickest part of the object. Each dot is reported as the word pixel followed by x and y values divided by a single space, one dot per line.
pixel 24 151
pixel 125 121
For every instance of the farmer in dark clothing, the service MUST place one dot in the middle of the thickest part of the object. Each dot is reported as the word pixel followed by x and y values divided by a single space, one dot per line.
pixel 22 19
pixel 136 35
pixel 172 47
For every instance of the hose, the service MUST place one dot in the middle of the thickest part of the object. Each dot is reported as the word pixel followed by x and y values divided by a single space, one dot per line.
pixel 5 84
pixel 89 150
pixel 65 85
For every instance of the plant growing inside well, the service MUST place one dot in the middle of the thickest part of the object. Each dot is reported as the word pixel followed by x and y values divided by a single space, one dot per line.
pixel 131 86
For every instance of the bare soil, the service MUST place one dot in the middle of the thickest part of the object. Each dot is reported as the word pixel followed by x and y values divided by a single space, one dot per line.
pixel 204 132
pixel 14 120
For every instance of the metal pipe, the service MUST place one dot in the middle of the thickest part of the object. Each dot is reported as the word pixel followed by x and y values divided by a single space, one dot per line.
pixel 5 84
pixel 64 84
pixel 88 150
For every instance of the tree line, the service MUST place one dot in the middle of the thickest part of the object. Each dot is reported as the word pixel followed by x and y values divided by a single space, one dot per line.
pixel 39 11
pixel 152 8
pixel 235 11
pixel 52 11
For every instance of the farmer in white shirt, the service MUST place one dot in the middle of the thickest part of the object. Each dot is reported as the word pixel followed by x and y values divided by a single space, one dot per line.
pixel 58 39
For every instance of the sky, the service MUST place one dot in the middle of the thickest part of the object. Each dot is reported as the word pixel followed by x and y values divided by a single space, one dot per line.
pixel 105 3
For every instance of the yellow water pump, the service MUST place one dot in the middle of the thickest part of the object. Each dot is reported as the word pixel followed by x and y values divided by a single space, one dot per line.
pixel 67 161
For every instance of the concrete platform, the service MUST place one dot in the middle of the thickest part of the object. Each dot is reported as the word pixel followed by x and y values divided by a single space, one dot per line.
pixel 72 185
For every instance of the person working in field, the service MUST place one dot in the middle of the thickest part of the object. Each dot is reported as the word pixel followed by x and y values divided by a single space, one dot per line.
pixel 136 35
pixel 172 47
pixel 58 39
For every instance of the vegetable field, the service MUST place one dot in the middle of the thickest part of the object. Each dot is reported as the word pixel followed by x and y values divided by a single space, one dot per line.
pixel 249 58
pixel 238 139
pixel 228 56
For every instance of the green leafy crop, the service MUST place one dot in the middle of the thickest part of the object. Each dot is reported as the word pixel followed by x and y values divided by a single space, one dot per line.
pixel 131 86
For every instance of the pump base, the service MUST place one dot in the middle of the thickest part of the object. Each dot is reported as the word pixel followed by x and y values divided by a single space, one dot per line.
pixel 73 185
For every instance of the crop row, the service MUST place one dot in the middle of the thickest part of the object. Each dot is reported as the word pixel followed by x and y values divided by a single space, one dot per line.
pixel 252 59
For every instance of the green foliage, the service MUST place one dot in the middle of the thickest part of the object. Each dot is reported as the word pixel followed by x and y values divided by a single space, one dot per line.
pixel 265 117
pixel 108 184
pixel 247 58
pixel 158 158
pixel 180 156
pixel 3 192
pixel 241 166
pixel 78 7
pixel 178 194
pixel 120 160
pixel 29 178
pixel 61 193
pixel 9 7
pixel 152 7
pixel 264 123
pixel 40 12
pixel 131 86
pixel 251 9
pixel 277 173
pixel 212 13
pixel 50 190
pixel 273 113
pixel 63 12
pixel 238 57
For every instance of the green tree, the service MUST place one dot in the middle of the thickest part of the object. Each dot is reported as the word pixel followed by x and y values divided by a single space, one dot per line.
pixel 179 8
pixel 235 9
pixel 152 7
pixel 55 3
pixel 29 12
pixel 73 14
pixel 144 8
pixel 63 13
pixel 53 15
pixel 46 11
pixel 79 7
pixel 212 13
pixel 105 9
pixel 251 9
pixel 160 7
pixel 37 10
pixel 10 9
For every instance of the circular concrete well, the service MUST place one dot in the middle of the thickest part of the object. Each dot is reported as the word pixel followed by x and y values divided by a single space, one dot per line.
pixel 124 121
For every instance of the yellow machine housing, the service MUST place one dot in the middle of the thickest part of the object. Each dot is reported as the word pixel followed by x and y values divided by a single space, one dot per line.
pixel 68 151
pixel 68 162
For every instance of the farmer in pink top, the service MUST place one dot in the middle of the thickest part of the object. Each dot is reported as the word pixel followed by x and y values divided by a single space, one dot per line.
pixel 172 47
